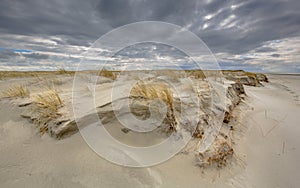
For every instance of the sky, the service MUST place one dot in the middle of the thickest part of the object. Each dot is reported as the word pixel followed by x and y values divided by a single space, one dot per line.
pixel 253 35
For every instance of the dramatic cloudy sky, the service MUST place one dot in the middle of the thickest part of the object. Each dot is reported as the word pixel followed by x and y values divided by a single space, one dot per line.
pixel 254 35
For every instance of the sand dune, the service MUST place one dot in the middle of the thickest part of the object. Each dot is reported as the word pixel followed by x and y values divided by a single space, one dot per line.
pixel 265 141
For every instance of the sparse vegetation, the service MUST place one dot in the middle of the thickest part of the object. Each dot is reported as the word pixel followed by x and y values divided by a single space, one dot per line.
pixel 251 75
pixel 16 91
pixel 50 100
pixel 62 71
pixel 46 106
pixel 196 74
pixel 157 91
pixel 26 74
pixel 246 78
pixel 219 157
pixel 108 74
pixel 198 133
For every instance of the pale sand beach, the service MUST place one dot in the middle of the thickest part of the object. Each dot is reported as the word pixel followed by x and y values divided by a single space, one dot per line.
pixel 266 142
pixel 271 144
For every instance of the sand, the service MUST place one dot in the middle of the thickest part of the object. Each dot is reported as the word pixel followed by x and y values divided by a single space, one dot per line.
pixel 272 142
pixel 267 142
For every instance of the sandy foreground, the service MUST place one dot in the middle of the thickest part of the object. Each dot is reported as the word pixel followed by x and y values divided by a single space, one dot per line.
pixel 267 143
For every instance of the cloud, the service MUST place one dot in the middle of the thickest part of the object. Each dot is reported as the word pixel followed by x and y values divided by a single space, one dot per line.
pixel 265 49
pixel 273 56
pixel 62 28
pixel 36 56
pixel 7 54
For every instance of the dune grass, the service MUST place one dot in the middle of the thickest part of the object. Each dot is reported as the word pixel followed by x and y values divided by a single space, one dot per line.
pixel 153 91
pixel 239 73
pixel 16 74
pixel 16 91
pixel 48 100
pixel 61 71
pixel 26 74
pixel 108 74
pixel 198 74
pixel 46 106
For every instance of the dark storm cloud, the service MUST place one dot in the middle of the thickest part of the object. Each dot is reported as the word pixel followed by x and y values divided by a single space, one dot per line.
pixel 36 56
pixel 265 49
pixel 233 27
pixel 255 21
pixel 120 12
pixel 82 21
pixel 7 54
pixel 275 55
pixel 47 17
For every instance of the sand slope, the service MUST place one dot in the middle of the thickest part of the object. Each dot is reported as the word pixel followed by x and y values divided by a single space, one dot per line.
pixel 269 147
pixel 272 142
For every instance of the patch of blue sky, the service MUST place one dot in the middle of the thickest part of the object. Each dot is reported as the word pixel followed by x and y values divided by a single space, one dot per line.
pixel 16 50
pixel 21 50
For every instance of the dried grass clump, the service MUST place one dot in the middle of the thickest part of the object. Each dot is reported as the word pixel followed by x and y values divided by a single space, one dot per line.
pixel 219 157
pixel 16 91
pixel 108 74
pixel 198 74
pixel 61 71
pixel 262 77
pixel 198 133
pixel 46 106
pixel 250 74
pixel 19 74
pixel 50 100
pixel 153 91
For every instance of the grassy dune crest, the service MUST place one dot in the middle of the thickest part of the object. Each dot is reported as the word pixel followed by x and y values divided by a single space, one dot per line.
pixel 160 91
